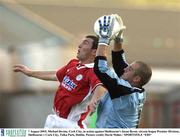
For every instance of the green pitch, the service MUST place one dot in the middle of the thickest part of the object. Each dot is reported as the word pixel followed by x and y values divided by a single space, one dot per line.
pixel 92 120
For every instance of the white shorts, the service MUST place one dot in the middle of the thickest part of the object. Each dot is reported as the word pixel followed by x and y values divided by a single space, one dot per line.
pixel 54 121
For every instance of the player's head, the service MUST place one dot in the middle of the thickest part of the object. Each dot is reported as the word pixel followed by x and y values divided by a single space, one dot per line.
pixel 87 48
pixel 137 74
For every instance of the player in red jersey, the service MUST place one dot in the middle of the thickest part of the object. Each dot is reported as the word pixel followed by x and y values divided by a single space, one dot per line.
pixel 77 83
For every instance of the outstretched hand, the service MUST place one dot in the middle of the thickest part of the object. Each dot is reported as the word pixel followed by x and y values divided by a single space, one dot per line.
pixel 92 107
pixel 109 27
pixel 103 28
pixel 22 68
pixel 119 36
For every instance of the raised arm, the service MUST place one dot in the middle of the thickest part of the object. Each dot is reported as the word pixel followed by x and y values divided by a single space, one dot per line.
pixel 43 75
pixel 119 61
pixel 118 56
pixel 116 87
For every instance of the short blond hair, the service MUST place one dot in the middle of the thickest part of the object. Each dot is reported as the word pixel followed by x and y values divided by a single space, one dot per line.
pixel 144 72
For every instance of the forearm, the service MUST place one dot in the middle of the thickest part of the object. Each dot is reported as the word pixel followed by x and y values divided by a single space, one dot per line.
pixel 44 75
pixel 98 93
pixel 117 47
pixel 119 62
pixel 102 50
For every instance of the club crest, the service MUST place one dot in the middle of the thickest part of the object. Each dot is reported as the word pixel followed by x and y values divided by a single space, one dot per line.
pixel 79 77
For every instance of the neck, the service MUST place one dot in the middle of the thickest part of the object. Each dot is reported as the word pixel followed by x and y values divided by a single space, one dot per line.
pixel 136 85
pixel 87 61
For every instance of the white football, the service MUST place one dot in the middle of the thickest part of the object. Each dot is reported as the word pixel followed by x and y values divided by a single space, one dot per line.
pixel 118 25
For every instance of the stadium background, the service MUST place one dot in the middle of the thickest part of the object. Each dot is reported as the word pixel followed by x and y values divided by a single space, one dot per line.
pixel 44 34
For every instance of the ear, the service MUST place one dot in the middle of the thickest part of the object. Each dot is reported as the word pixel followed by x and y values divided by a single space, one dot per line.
pixel 137 79
pixel 94 52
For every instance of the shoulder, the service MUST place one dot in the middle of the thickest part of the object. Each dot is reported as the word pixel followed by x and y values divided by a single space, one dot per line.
pixel 90 71
pixel 73 61
pixel 137 98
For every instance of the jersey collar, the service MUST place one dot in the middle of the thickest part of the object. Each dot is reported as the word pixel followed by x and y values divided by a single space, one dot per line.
pixel 89 65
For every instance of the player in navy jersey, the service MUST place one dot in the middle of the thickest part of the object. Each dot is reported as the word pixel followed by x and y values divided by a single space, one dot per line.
pixel 121 106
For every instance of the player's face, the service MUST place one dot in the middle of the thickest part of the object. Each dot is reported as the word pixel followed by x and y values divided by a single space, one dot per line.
pixel 84 49
pixel 129 72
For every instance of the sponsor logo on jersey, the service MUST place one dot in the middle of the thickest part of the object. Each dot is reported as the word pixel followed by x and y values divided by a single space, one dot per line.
pixel 68 83
pixel 79 77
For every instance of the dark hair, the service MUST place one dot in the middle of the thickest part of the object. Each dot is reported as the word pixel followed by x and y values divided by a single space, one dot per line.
pixel 144 71
pixel 95 41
